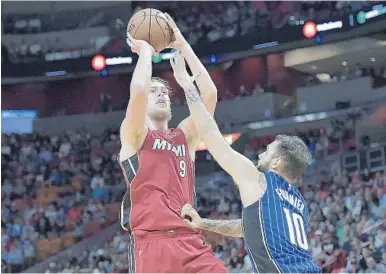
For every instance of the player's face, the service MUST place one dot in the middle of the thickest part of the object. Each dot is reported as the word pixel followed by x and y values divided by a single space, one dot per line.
pixel 267 159
pixel 158 105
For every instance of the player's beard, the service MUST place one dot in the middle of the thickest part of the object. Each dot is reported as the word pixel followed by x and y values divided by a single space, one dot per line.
pixel 262 167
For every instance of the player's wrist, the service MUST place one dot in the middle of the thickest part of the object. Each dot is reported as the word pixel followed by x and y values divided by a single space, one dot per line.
pixel 146 49
pixel 203 224
pixel 185 49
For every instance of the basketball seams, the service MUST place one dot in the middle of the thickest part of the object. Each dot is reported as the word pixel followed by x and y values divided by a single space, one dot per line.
pixel 162 30
pixel 144 18
pixel 140 15
pixel 150 28
pixel 151 33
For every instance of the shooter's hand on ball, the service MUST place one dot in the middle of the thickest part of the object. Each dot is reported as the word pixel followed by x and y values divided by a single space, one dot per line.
pixel 138 45
pixel 180 73
pixel 179 42
pixel 191 216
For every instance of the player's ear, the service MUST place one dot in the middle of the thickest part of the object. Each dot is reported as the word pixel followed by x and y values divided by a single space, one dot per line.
pixel 276 162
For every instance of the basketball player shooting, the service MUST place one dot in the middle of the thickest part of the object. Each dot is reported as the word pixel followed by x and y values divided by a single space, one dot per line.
pixel 275 216
pixel 158 165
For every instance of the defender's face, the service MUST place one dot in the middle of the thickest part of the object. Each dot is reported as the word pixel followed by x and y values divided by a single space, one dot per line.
pixel 158 105
pixel 267 159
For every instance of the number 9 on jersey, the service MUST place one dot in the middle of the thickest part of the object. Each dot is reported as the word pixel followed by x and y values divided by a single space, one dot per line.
pixel 182 168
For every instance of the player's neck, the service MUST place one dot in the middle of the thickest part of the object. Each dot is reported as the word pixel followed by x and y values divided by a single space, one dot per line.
pixel 288 180
pixel 158 125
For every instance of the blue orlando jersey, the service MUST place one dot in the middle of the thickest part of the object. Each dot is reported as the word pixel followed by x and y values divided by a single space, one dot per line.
pixel 275 230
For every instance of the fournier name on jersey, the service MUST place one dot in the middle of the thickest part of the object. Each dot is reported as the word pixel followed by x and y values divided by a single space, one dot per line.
pixel 161 144
pixel 292 199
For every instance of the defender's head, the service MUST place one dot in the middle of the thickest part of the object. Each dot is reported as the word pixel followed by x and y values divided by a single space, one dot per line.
pixel 288 155
pixel 158 105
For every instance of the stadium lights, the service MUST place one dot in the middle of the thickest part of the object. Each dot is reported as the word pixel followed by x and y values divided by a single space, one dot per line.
pixel 311 29
pixel 99 62
pixel 377 10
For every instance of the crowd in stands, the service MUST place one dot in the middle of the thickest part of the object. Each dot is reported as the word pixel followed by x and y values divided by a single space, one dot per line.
pixel 57 190
pixel 320 11
pixel 200 22
pixel 349 238
pixel 212 21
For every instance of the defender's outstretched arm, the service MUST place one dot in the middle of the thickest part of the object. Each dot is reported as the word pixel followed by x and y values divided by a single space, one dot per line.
pixel 232 228
pixel 251 182
pixel 204 81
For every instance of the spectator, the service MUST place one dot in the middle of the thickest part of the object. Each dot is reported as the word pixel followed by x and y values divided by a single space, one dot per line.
pixel 257 89
pixel 15 256
pixel 28 253
pixel 43 227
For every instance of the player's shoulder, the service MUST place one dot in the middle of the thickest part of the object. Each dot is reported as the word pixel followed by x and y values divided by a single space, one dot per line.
pixel 129 149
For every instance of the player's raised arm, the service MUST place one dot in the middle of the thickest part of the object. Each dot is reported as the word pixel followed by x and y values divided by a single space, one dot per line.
pixel 204 81
pixel 252 183
pixel 134 123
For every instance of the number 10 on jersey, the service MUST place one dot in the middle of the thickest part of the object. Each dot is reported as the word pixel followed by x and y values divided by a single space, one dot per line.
pixel 296 229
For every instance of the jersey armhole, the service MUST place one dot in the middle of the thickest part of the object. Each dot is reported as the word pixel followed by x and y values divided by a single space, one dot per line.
pixel 130 168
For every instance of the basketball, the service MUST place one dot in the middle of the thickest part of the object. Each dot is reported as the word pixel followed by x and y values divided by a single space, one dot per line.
pixel 151 25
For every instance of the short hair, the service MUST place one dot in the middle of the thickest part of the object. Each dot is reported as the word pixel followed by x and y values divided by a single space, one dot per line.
pixel 295 154
pixel 162 82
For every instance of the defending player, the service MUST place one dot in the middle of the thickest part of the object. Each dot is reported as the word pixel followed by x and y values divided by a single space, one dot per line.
pixel 275 216
pixel 158 165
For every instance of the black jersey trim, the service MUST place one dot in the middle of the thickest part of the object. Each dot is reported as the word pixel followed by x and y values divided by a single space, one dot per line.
pixel 131 254
pixel 254 235
pixel 130 168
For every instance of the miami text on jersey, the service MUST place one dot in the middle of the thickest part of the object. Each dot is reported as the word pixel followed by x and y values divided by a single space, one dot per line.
pixel 160 144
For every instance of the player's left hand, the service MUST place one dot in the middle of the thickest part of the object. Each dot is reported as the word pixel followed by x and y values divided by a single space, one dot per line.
pixel 138 45
pixel 179 42
pixel 190 216
pixel 180 73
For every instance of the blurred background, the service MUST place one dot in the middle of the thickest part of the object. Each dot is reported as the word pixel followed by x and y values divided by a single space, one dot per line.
pixel 316 69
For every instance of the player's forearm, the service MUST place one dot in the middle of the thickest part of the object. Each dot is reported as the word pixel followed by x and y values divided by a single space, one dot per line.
pixel 231 228
pixel 208 131
pixel 140 81
pixel 204 81
pixel 133 124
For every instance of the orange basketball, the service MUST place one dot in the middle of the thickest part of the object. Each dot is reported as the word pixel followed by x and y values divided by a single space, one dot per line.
pixel 151 25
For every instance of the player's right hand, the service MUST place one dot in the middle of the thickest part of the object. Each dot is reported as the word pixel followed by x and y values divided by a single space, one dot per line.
pixel 138 45
pixel 179 42
pixel 190 216
pixel 180 73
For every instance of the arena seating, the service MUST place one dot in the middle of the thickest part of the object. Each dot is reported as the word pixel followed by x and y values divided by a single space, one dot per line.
pixel 61 190
pixel 341 241
pixel 58 190
pixel 200 22
pixel 55 191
